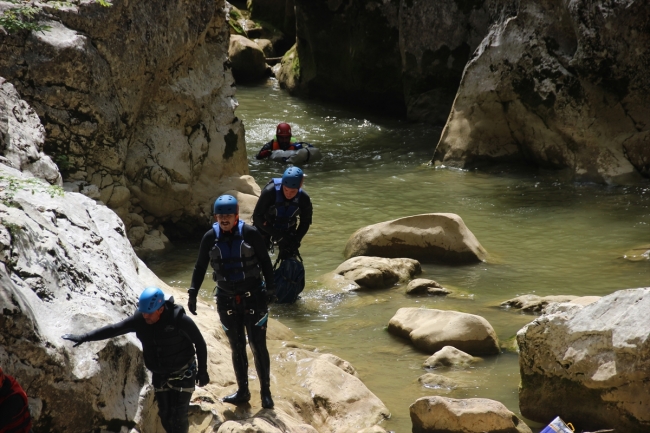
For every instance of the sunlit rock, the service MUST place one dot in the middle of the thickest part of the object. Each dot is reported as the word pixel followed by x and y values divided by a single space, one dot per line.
pixel 449 356
pixel 638 254
pixel 377 272
pixel 22 137
pixel 557 85
pixel 437 382
pixel 137 100
pixel 430 330
pixel 535 304
pixel 470 415
pixel 434 237
pixel 422 286
pixel 66 266
pixel 247 58
pixel 590 364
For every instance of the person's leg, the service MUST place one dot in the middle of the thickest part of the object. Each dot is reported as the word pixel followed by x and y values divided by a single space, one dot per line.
pixel 256 325
pixel 233 324
pixel 164 410
pixel 179 402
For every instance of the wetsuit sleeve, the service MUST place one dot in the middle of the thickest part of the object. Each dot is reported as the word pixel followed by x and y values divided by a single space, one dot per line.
pixel 306 212
pixel 255 240
pixel 264 203
pixel 265 151
pixel 188 326
pixel 124 327
pixel 203 260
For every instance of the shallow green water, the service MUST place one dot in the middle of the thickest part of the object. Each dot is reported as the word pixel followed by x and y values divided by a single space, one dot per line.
pixel 544 235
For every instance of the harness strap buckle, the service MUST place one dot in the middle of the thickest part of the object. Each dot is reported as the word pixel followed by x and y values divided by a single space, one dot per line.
pixel 229 312
pixel 251 311
pixel 247 294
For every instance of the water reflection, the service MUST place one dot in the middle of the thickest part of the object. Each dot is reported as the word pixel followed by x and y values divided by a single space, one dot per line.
pixel 545 236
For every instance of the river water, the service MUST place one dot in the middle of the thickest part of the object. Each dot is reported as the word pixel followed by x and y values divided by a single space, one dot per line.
pixel 545 235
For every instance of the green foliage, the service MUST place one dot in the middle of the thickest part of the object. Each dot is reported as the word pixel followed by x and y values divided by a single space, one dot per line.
pixel 9 185
pixel 63 162
pixel 23 16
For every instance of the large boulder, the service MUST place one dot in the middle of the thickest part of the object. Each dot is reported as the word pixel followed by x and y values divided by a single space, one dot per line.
pixel 471 415
pixel 66 266
pixel 434 237
pixel 590 364
pixel 247 59
pixel 377 272
pixel 430 330
pixel 559 85
pixel 137 100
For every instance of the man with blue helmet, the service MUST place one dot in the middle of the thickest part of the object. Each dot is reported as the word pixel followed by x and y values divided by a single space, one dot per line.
pixel 170 340
pixel 237 254
pixel 284 212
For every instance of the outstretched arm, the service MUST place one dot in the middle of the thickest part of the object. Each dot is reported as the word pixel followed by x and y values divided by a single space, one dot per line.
pixel 265 151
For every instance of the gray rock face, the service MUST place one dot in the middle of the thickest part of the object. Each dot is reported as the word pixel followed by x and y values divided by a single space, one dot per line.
pixel 349 51
pixel 136 100
pixel 430 330
pixel 471 415
pixel 589 364
pixel 435 237
pixel 22 136
pixel 559 85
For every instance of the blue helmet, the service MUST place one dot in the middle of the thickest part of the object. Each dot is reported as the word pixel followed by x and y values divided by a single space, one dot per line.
pixel 292 177
pixel 151 299
pixel 225 204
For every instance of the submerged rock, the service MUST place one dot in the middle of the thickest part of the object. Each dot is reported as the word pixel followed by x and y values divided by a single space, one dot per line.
pixel 435 237
pixel 422 286
pixel 590 364
pixel 535 304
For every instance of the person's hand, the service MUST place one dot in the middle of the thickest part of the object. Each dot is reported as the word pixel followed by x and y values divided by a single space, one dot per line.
pixel 264 154
pixel 191 302
pixel 202 378
pixel 270 296
pixel 78 339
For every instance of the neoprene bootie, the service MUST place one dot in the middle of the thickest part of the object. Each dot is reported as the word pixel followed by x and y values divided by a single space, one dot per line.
pixel 267 401
pixel 241 396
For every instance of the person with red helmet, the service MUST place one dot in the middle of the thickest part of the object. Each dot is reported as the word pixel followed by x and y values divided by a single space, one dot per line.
pixel 14 412
pixel 283 140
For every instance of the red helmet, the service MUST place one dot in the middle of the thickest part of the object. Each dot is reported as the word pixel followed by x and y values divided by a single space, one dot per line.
pixel 283 130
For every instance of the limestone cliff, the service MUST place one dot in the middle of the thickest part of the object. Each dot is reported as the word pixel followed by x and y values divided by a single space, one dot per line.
pixel 137 100
pixel 558 85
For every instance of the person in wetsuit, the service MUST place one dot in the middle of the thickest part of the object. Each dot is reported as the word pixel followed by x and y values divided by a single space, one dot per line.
pixel 284 212
pixel 283 140
pixel 170 339
pixel 238 256
pixel 14 412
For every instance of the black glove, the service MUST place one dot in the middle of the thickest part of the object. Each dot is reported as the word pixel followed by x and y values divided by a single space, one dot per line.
pixel 202 378
pixel 191 303
pixel 270 296
pixel 78 339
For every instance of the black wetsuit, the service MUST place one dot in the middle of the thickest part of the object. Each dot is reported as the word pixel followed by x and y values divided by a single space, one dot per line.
pixel 242 305
pixel 168 348
pixel 264 216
